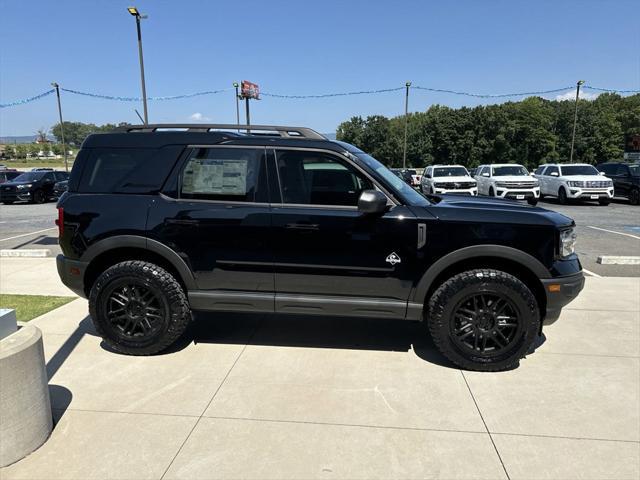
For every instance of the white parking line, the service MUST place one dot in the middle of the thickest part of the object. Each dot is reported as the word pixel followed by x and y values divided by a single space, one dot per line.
pixel 593 274
pixel 613 231
pixel 27 234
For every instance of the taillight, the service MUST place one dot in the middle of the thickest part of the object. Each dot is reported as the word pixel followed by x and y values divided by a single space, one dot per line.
pixel 60 221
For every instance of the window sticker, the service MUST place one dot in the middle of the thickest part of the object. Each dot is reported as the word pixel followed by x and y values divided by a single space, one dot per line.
pixel 216 177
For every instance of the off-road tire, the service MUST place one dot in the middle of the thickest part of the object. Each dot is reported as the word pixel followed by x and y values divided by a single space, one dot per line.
pixel 177 314
pixel 441 305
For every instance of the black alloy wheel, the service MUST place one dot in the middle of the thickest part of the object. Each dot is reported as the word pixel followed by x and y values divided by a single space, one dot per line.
pixel 38 196
pixel 634 198
pixel 485 323
pixel 134 309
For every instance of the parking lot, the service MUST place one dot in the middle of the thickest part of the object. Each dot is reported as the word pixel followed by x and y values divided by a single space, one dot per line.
pixel 610 230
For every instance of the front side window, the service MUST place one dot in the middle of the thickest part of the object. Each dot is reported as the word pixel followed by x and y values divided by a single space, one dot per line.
pixel 227 174
pixel 550 170
pixel 539 170
pixel 316 178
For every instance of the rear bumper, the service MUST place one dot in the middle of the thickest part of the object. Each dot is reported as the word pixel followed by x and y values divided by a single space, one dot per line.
pixel 560 291
pixel 71 273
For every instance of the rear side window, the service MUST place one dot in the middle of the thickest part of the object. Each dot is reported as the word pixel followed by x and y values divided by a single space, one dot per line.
pixel 225 174
pixel 126 170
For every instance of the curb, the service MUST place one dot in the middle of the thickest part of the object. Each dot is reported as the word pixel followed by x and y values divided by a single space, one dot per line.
pixel 33 253
pixel 618 260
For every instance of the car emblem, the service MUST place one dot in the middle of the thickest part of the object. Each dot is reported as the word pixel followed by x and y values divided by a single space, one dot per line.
pixel 393 258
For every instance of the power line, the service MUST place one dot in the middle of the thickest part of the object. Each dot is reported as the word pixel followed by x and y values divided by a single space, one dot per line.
pixel 314 96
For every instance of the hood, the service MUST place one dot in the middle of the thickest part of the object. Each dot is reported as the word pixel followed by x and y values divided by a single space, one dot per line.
pixel 460 179
pixel 495 210
pixel 514 178
pixel 585 178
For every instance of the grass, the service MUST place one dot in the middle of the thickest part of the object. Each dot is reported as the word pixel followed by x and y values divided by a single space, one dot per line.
pixel 28 307
pixel 59 164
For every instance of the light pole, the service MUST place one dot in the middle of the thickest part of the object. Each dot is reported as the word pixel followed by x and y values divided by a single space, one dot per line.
pixel 64 147
pixel 575 119
pixel 406 122
pixel 134 11
pixel 235 85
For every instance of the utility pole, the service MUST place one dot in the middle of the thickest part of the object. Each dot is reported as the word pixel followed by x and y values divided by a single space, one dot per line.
pixel 64 147
pixel 575 119
pixel 134 11
pixel 406 122
pixel 235 85
pixel 246 99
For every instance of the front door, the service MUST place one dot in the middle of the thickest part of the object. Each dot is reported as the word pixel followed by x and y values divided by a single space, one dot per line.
pixel 328 254
pixel 219 220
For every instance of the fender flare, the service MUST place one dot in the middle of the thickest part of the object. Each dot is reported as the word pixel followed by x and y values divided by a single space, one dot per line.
pixel 466 253
pixel 135 241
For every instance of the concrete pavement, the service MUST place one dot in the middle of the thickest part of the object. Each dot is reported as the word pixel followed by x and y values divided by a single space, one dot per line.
pixel 249 396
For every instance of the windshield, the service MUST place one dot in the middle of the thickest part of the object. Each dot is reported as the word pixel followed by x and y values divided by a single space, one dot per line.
pixel 579 170
pixel 634 170
pixel 516 170
pixel 450 172
pixel 29 177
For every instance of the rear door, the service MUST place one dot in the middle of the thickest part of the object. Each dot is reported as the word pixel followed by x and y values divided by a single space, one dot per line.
pixel 216 216
pixel 326 254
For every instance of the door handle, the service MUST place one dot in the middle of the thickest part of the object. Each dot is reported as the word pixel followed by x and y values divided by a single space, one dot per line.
pixel 309 227
pixel 181 221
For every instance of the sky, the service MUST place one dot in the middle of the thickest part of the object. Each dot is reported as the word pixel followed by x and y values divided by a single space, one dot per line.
pixel 301 47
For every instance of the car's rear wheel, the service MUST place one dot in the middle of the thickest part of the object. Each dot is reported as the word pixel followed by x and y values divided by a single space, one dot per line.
pixel 483 319
pixel 38 196
pixel 138 308
pixel 634 197
pixel 562 196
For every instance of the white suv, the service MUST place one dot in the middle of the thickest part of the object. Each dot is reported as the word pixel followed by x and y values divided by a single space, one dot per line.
pixel 448 179
pixel 507 180
pixel 574 181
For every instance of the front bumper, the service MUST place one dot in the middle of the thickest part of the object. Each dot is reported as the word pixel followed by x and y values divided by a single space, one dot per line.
pixel 560 291
pixel 71 273
pixel 517 193
pixel 15 196
pixel 462 191
pixel 590 193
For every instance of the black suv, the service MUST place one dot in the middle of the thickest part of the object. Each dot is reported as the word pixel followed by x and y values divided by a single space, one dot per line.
pixel 34 187
pixel 626 179
pixel 159 222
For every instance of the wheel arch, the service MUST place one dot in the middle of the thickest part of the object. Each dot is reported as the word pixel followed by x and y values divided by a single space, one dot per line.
pixel 516 262
pixel 112 250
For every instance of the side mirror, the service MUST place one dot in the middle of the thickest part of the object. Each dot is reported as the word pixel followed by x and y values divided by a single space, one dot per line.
pixel 601 173
pixel 554 174
pixel 372 202
pixel 485 174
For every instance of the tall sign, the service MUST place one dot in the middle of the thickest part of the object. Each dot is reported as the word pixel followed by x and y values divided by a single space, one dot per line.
pixel 249 90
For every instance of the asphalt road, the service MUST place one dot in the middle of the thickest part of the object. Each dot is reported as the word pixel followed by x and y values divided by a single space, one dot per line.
pixel 610 230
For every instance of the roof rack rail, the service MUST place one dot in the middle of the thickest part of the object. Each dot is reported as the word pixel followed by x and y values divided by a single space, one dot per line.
pixel 287 132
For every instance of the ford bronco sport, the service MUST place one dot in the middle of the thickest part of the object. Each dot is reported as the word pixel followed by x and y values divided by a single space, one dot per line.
pixel 160 220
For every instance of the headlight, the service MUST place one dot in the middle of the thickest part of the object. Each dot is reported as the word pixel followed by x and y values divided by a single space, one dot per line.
pixel 567 242
pixel 21 187
pixel 576 184
pixel 501 184
pixel 536 183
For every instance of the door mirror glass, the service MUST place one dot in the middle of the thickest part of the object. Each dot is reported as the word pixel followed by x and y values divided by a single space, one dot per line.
pixel 372 202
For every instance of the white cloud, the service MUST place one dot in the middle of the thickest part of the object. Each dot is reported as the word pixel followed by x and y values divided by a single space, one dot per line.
pixel 571 95
pixel 198 117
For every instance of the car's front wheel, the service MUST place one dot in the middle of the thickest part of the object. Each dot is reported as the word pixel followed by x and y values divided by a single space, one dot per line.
pixel 138 308
pixel 562 196
pixel 38 196
pixel 483 319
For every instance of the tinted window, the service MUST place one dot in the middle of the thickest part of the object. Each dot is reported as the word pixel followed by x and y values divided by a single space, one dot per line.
pixel 509 170
pixel 550 170
pixel 539 170
pixel 29 177
pixel 579 170
pixel 60 176
pixel 450 172
pixel 634 170
pixel 314 178
pixel 228 174
pixel 607 169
